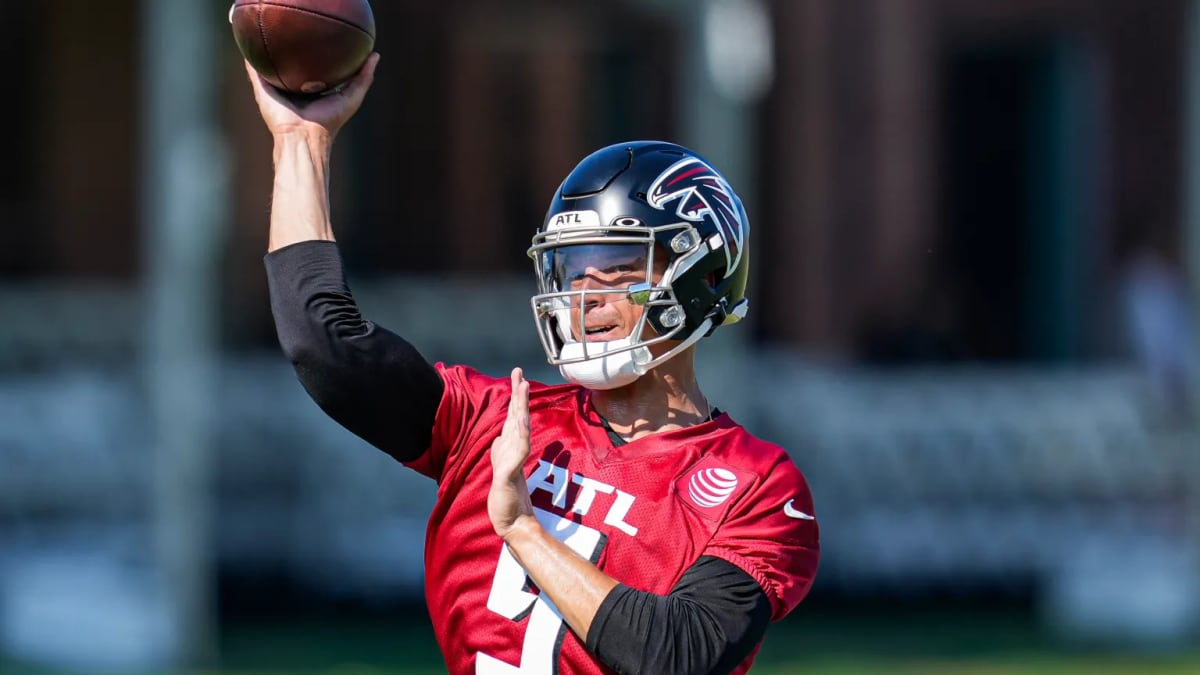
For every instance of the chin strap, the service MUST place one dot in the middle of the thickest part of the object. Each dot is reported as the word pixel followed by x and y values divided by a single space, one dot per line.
pixel 715 317
pixel 721 314
pixel 615 366
pixel 618 369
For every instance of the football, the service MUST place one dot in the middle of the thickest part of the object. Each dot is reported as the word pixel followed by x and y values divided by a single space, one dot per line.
pixel 304 46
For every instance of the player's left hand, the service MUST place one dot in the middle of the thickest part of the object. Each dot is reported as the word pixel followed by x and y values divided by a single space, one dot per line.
pixel 508 498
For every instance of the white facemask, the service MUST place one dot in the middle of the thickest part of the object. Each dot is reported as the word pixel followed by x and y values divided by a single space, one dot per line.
pixel 612 371
pixel 608 371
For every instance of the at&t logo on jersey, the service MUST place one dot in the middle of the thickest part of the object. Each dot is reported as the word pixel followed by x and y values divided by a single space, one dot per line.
pixel 710 487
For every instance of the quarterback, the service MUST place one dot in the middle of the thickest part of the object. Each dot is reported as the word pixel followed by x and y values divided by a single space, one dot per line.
pixel 615 523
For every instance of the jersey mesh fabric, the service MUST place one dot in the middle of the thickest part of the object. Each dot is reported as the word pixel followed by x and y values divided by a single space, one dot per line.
pixel 631 509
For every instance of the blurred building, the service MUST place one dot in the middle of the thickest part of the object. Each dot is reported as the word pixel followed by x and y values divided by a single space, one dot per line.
pixel 959 187
pixel 929 179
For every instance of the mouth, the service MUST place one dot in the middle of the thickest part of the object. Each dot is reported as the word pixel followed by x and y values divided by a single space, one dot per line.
pixel 603 333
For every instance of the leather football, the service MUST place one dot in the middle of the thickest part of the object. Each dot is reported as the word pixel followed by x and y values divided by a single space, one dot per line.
pixel 304 46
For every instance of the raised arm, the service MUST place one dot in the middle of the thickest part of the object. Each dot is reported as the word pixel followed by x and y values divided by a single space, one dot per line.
pixel 370 380
pixel 304 135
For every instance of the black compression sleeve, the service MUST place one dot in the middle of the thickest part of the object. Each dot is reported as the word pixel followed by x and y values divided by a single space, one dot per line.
pixel 372 381
pixel 710 623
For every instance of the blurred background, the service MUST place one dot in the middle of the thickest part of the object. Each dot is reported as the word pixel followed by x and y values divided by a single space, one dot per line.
pixel 976 282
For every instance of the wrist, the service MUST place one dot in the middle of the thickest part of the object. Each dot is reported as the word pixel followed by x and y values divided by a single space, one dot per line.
pixel 315 139
pixel 524 529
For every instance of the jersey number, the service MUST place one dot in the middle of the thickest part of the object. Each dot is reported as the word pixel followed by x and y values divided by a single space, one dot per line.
pixel 511 598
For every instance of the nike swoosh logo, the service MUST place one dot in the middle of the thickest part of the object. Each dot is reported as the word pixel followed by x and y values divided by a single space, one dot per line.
pixel 793 513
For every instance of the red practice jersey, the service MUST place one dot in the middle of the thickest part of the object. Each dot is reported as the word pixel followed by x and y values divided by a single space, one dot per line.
pixel 643 512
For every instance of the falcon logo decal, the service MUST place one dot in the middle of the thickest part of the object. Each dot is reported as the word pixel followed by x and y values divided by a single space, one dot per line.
pixel 701 192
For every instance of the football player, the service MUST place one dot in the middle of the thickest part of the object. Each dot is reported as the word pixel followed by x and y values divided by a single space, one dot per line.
pixel 616 523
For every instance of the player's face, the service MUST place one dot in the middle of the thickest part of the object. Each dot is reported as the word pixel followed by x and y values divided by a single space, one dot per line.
pixel 606 272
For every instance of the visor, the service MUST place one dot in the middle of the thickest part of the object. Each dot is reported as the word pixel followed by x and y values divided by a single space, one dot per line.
pixel 597 266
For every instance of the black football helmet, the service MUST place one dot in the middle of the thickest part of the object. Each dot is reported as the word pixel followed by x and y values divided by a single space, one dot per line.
pixel 667 206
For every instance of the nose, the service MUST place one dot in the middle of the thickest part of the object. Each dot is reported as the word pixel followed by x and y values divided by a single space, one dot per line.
pixel 593 280
pixel 591 299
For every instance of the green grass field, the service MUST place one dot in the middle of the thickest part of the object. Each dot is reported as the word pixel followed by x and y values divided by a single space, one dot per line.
pixel 824 642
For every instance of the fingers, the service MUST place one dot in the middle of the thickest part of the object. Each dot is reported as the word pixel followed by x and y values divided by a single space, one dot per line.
pixel 368 69
pixel 518 404
pixel 256 80
pixel 253 76
pixel 357 87
pixel 263 90
pixel 520 389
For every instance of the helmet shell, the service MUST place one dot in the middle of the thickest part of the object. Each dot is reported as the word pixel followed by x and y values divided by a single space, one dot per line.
pixel 654 184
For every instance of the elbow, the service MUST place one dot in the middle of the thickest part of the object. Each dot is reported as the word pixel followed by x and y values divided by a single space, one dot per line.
pixel 296 351
pixel 313 371
pixel 315 364
pixel 693 644
pixel 310 346
pixel 686 640
pixel 308 361
pixel 305 356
